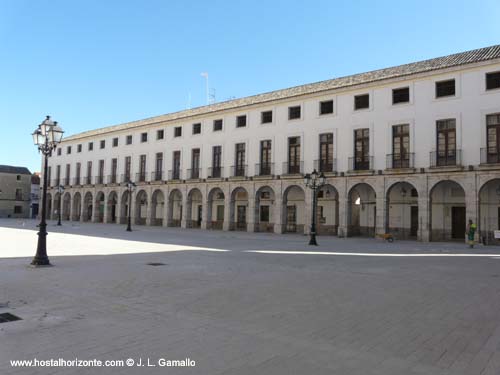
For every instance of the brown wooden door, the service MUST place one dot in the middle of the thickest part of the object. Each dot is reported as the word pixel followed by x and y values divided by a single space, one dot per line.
pixel 414 221
pixel 458 222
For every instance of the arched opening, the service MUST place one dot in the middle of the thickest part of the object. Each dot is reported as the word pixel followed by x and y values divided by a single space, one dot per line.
pixel 215 207
pixel 124 207
pixel 157 208
pixel 77 207
pixel 402 211
pixel 175 208
pixel 141 207
pixel 66 208
pixel 489 211
pixel 447 218
pixel 328 210
pixel 294 209
pixel 361 216
pixel 87 207
pixel 112 207
pixel 48 208
pixel 264 209
pixel 99 207
pixel 238 209
pixel 194 209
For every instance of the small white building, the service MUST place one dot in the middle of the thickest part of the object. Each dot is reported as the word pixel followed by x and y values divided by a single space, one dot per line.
pixel 413 150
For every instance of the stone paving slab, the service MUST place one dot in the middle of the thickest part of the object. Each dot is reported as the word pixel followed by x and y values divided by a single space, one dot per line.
pixel 240 312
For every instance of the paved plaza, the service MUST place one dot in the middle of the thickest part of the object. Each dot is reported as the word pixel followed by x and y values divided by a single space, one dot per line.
pixel 247 303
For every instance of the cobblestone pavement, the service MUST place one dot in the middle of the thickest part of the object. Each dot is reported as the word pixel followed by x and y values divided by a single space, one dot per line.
pixel 432 309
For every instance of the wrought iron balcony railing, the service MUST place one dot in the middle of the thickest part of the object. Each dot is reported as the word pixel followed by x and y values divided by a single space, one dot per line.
pixel 194 173
pixel 325 166
pixel 175 174
pixel 490 155
pixel 239 171
pixel 157 175
pixel 264 169
pixel 215 172
pixel 400 161
pixel 293 168
pixel 446 158
pixel 364 163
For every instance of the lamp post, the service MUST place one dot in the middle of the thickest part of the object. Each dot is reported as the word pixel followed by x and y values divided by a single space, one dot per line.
pixel 60 190
pixel 314 181
pixel 130 187
pixel 47 136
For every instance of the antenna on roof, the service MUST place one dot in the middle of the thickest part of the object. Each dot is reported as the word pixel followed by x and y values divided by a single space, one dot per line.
pixel 205 74
pixel 211 99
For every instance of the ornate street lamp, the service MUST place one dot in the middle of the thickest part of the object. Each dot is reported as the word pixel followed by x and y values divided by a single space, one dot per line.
pixel 60 190
pixel 47 136
pixel 130 186
pixel 314 181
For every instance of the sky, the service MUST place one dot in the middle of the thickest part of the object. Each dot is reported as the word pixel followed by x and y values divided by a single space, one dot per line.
pixel 97 63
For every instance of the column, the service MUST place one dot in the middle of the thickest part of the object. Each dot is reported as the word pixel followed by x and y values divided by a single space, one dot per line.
pixel 71 208
pixel 343 227
pixel 380 213
pixel 424 217
pixel 106 208
pixel 149 209
pixel 308 196
pixel 204 219
pixel 95 208
pixel 184 210
pixel 251 215
pixel 82 209
pixel 278 215
pixel 227 211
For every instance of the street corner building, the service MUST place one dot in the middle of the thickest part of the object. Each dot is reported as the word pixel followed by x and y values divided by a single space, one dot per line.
pixel 412 150
pixel 15 191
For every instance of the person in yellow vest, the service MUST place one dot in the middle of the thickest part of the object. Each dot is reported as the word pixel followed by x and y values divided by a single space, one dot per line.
pixel 471 231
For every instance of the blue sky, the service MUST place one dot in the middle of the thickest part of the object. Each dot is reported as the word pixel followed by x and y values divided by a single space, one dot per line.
pixel 96 63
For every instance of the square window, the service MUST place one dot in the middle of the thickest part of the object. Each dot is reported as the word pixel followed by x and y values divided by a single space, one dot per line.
pixel 58 152
pixel 266 117
pixel 326 107
pixel 18 177
pixel 401 95
pixel 115 142
pixel 197 128
pixel 103 144
pixel 144 137
pixel 68 150
pixel 160 134
pixel 241 121
pixel 79 148
pixel 128 140
pixel 18 209
pixel 445 88
pixel 217 125
pixel 91 146
pixel 492 81
pixel 362 101
pixel 294 112
pixel 177 131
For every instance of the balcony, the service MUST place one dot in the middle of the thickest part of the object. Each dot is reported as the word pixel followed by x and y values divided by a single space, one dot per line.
pixel 99 180
pixel 174 174
pixel 400 161
pixel 239 171
pixel 112 179
pixel 157 176
pixel 125 178
pixel 264 169
pixel 490 155
pixel 326 166
pixel 140 177
pixel 452 158
pixel 215 172
pixel 77 181
pixel 364 163
pixel 66 181
pixel 88 180
pixel 293 168
pixel 194 174
pixel 56 182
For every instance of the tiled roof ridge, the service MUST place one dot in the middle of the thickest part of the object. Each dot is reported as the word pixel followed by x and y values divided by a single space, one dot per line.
pixel 456 59
pixel 14 170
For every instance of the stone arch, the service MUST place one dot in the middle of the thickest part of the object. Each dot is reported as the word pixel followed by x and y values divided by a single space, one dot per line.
pixel 157 207
pixel 328 210
pixel 294 209
pixel 100 201
pixel 88 206
pixel 215 209
pixel 175 208
pixel 66 206
pixel 489 211
pixel 238 215
pixel 141 207
pixel 77 206
pixel 112 209
pixel 264 209
pixel 402 210
pixel 361 210
pixel 194 209
pixel 447 211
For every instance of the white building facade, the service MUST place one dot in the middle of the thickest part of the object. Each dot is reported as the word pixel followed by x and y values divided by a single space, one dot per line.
pixel 412 150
